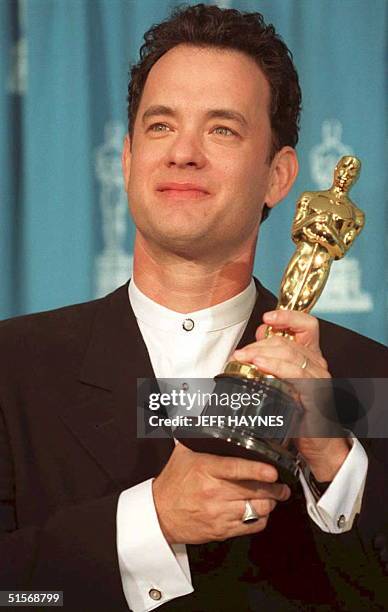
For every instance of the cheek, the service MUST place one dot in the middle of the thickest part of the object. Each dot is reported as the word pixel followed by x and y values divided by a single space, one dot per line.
pixel 257 176
pixel 145 155
pixel 245 179
pixel 141 171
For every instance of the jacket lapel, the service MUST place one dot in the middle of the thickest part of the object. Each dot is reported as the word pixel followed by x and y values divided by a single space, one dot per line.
pixel 104 416
pixel 265 301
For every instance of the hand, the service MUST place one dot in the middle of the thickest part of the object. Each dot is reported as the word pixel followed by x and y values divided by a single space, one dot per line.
pixel 284 359
pixel 201 497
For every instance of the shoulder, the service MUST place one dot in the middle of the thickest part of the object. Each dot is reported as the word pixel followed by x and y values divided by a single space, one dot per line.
pixel 62 322
pixel 350 354
pixel 60 334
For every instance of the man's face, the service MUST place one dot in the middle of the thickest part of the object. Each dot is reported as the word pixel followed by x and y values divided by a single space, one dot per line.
pixel 197 173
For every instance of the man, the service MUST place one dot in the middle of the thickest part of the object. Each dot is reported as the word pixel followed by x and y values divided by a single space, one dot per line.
pixel 118 522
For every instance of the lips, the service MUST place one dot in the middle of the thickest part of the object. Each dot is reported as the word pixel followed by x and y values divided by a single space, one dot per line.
pixel 182 190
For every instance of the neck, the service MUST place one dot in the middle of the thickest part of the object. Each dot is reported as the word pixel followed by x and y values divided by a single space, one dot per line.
pixel 186 285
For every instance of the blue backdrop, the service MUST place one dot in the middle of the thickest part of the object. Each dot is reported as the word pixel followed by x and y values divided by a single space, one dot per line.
pixel 65 235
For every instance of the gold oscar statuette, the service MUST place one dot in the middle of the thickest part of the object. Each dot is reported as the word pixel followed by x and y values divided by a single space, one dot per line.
pixel 325 225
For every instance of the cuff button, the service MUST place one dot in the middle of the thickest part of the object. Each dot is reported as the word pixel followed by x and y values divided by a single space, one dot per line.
pixel 155 594
pixel 341 521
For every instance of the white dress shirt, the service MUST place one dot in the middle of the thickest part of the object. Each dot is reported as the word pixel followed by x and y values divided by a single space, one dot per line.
pixel 198 345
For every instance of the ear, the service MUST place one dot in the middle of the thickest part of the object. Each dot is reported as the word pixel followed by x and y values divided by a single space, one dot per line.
pixel 126 161
pixel 283 172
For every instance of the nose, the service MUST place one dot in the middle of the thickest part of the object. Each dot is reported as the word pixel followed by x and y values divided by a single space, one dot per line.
pixel 186 151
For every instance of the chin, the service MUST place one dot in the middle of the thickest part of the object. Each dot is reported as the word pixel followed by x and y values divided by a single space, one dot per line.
pixel 181 242
pixel 173 229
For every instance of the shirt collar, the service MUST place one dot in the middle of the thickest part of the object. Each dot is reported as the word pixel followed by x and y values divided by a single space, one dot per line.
pixel 221 316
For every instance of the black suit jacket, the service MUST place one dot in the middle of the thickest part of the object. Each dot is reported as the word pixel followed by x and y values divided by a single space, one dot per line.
pixel 68 447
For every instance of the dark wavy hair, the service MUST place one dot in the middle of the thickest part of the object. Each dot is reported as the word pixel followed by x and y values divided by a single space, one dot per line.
pixel 210 26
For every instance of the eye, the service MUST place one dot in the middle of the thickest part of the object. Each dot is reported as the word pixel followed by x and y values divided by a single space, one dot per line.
pixel 224 131
pixel 158 127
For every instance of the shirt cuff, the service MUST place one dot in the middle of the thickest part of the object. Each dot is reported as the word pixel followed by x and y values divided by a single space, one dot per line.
pixel 152 572
pixel 335 511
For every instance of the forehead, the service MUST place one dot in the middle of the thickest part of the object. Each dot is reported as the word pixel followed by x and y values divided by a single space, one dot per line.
pixel 202 77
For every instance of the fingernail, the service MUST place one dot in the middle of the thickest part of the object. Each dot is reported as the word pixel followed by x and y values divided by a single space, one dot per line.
pixel 287 492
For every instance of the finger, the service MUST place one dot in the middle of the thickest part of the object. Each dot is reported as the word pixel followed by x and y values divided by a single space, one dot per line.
pixel 261 332
pixel 236 468
pixel 273 341
pixel 235 490
pixel 262 507
pixel 307 364
pixel 268 363
pixel 286 351
pixel 305 327
pixel 281 368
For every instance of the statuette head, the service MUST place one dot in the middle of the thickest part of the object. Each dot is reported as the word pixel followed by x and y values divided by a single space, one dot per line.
pixel 346 172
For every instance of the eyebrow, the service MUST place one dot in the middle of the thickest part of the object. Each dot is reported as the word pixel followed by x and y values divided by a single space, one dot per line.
pixel 216 113
pixel 158 109
pixel 225 113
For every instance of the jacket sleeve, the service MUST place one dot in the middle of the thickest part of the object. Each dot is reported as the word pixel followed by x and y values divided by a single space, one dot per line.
pixel 74 550
pixel 356 562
